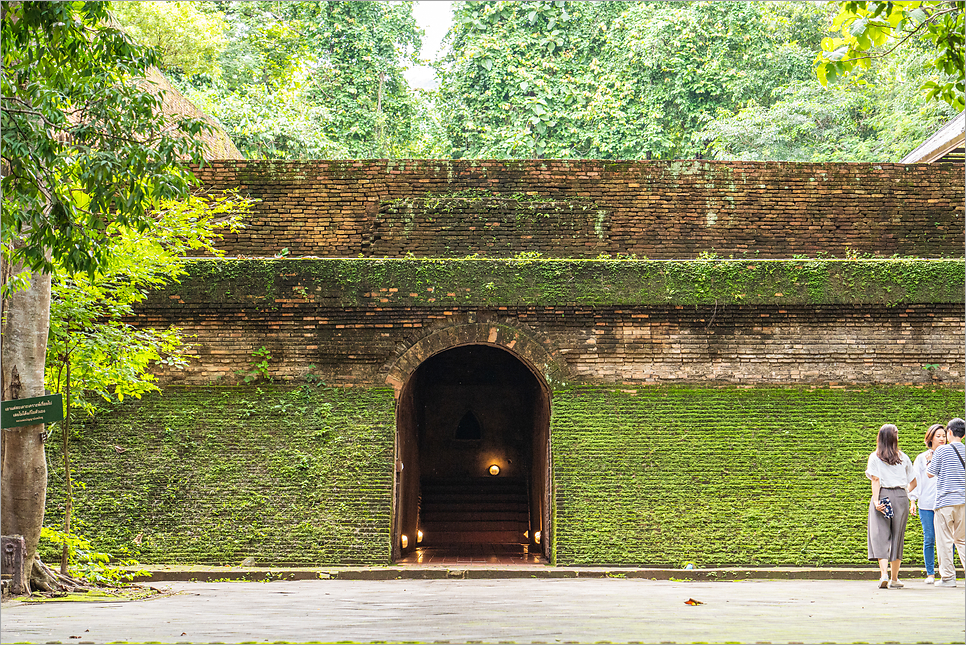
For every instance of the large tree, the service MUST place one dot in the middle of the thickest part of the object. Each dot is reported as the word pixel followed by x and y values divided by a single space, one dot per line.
pixel 85 148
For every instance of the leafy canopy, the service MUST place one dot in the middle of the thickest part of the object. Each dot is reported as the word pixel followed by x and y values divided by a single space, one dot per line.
pixel 871 30
pixel 610 79
pixel 879 117
pixel 187 39
pixel 302 79
pixel 84 146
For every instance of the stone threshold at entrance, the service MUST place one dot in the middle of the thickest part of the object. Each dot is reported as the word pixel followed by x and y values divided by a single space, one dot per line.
pixel 197 573
pixel 473 554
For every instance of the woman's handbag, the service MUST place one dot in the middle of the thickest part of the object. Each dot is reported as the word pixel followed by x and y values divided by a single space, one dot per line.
pixel 887 511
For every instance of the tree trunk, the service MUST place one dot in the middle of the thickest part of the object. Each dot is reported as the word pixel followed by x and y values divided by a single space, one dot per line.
pixel 23 478
pixel 43 578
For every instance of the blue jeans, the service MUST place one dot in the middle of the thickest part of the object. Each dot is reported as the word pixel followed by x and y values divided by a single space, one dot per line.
pixel 928 540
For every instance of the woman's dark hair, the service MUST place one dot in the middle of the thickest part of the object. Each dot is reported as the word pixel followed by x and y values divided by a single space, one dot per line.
pixel 888 445
pixel 931 433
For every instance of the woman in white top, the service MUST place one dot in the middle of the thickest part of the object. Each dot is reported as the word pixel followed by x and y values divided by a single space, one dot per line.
pixel 924 494
pixel 891 473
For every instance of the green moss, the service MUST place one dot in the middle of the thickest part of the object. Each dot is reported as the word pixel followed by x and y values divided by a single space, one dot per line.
pixel 660 476
pixel 726 476
pixel 213 475
pixel 548 282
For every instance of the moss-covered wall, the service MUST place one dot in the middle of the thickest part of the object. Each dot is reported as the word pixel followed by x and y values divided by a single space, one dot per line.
pixel 642 476
pixel 217 474
pixel 399 283
pixel 664 476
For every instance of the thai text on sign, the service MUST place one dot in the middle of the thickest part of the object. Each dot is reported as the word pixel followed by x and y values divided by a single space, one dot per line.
pixel 26 412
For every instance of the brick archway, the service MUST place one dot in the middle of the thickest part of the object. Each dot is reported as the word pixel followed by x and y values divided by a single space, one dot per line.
pixel 538 356
pixel 416 475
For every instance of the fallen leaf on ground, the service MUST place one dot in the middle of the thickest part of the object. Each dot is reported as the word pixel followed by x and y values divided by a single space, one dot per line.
pixel 692 601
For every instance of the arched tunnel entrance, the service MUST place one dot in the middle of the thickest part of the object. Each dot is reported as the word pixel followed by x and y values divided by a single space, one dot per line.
pixel 473 460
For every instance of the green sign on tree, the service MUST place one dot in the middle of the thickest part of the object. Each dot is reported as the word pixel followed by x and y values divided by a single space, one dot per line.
pixel 27 412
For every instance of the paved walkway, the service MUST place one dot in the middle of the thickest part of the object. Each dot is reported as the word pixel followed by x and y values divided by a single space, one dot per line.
pixel 507 610
pixel 475 570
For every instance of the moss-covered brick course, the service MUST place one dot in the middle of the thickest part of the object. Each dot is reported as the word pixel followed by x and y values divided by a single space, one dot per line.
pixel 665 476
pixel 641 476
pixel 214 475
pixel 535 281
pixel 580 208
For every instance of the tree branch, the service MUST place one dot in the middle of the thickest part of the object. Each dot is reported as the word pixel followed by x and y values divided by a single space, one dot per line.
pixel 904 38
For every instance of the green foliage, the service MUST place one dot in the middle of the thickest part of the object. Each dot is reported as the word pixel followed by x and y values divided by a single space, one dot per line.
pixel 881 117
pixel 610 79
pixel 213 475
pixel 314 80
pixel 110 358
pixel 871 30
pixel 613 80
pixel 753 477
pixel 188 40
pixel 259 368
pixel 71 165
pixel 86 563
pixel 362 47
pixel 270 123
pixel 259 87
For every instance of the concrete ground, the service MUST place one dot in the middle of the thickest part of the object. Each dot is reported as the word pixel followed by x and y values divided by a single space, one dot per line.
pixel 506 610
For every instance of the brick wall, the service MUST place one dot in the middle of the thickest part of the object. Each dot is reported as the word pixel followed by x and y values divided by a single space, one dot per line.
pixel 488 227
pixel 215 475
pixel 305 476
pixel 338 326
pixel 653 476
pixel 734 344
pixel 720 476
pixel 584 208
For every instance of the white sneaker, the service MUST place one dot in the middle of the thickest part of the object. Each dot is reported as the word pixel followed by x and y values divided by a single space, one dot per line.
pixel 930 580
pixel 951 582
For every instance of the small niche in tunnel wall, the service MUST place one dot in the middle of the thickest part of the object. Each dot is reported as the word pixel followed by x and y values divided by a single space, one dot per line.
pixel 469 428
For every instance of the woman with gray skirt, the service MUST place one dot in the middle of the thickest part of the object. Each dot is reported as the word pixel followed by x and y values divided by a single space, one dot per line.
pixel 891 473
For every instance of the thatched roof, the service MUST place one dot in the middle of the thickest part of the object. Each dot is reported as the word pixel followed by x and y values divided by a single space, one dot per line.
pixel 217 144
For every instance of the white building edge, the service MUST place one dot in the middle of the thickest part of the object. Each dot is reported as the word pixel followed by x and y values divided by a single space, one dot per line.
pixel 945 145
